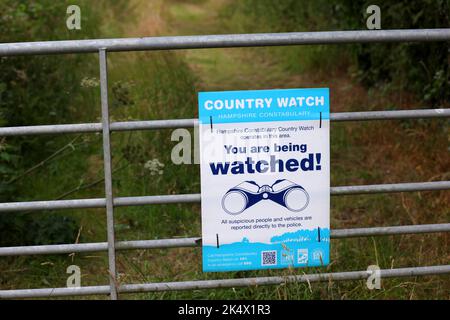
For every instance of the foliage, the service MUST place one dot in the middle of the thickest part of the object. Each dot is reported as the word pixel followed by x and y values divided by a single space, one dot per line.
pixel 34 90
pixel 421 68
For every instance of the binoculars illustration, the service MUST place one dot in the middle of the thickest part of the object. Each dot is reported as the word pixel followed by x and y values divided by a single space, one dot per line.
pixel 284 192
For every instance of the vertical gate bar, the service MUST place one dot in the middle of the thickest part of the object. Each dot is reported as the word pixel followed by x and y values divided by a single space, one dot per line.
pixel 108 174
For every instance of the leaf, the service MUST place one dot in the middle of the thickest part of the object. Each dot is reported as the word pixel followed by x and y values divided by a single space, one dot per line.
pixel 5 156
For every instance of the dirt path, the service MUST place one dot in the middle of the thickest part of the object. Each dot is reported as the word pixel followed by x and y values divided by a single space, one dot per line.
pixel 222 69
pixel 246 68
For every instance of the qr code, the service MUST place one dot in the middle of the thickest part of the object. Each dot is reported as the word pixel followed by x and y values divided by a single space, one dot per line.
pixel 269 258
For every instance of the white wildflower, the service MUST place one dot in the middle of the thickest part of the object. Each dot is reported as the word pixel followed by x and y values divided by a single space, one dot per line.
pixel 154 167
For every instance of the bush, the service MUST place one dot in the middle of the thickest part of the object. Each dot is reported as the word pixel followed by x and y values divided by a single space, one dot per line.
pixel 421 68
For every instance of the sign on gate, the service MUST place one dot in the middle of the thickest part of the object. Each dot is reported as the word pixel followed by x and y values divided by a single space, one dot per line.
pixel 265 178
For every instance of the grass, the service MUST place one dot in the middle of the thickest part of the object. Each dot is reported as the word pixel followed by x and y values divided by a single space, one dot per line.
pixel 158 85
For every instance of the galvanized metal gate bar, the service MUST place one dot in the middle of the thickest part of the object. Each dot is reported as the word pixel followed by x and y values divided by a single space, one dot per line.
pixel 195 197
pixel 224 41
pixel 224 283
pixel 189 123
pixel 101 46
pixel 196 241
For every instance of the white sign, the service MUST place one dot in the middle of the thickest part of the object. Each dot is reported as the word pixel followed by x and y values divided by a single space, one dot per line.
pixel 265 178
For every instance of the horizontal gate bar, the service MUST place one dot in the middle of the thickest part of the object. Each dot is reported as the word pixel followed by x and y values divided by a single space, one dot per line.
pixel 390 115
pixel 224 283
pixel 188 123
pixel 99 246
pixel 391 230
pixel 196 241
pixel 195 197
pixel 223 41
pixel 388 188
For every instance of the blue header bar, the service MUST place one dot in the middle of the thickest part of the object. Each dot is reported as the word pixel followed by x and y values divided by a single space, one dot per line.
pixel 264 105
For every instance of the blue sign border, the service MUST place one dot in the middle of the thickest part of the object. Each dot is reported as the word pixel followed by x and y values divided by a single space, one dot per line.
pixel 296 108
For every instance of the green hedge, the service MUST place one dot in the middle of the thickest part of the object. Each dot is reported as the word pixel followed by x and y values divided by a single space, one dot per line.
pixel 421 68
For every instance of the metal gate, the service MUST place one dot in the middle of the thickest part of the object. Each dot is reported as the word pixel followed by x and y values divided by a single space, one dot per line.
pixel 102 47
